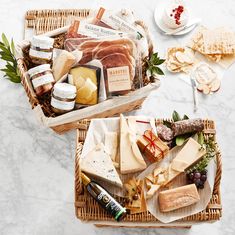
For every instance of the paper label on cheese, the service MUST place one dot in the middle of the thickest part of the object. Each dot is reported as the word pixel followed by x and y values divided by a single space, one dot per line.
pixel 40 54
pixel 117 23
pixel 96 31
pixel 63 105
pixel 42 80
pixel 118 79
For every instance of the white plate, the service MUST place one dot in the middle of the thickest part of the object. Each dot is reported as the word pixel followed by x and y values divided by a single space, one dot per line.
pixel 158 19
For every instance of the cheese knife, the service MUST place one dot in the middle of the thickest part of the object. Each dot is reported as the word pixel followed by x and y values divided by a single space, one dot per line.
pixel 193 22
pixel 195 97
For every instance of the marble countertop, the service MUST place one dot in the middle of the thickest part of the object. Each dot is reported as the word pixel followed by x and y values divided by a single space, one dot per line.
pixel 37 165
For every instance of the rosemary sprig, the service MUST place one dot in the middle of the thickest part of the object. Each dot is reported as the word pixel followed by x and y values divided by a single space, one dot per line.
pixel 153 64
pixel 7 53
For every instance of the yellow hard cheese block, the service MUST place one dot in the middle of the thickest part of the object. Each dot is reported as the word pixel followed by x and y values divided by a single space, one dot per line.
pixel 86 79
pixel 188 155
pixel 131 159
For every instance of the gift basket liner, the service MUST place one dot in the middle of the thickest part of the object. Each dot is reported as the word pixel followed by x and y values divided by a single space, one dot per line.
pixel 43 21
pixel 87 209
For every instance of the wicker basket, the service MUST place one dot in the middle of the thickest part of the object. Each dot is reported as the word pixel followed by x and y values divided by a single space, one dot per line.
pixel 45 20
pixel 87 209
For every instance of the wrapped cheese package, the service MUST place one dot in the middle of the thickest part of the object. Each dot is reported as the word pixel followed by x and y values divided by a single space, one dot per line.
pixel 119 57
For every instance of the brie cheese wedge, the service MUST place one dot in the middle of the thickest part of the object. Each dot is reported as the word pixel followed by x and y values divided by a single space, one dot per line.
pixel 99 164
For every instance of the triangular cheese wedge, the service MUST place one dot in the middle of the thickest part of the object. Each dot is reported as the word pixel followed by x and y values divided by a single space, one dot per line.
pixel 99 164
pixel 131 159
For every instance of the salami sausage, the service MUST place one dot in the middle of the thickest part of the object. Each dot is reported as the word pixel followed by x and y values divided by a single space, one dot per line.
pixel 164 132
pixel 187 126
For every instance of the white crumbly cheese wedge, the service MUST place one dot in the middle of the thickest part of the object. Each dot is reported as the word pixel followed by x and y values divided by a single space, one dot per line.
pixel 131 159
pixel 111 144
pixel 99 164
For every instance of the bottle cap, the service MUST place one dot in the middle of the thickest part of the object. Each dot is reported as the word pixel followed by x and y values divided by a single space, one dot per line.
pixel 85 179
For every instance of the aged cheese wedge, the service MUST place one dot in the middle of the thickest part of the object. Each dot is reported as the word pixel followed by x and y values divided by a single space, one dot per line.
pixel 63 64
pixel 189 154
pixel 99 164
pixel 131 159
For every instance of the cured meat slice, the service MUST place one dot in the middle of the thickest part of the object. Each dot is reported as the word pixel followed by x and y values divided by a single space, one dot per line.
pixel 105 43
pixel 100 52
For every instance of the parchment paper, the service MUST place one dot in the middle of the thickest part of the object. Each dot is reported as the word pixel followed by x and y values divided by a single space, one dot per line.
pixel 205 194
pixel 96 134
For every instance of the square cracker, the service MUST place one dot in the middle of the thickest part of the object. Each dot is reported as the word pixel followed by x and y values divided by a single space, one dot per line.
pixel 218 41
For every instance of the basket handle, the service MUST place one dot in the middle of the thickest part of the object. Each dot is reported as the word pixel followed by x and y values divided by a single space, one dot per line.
pixel 78 183
pixel 218 172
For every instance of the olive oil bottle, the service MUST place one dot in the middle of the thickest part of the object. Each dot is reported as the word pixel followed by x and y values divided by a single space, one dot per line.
pixel 104 198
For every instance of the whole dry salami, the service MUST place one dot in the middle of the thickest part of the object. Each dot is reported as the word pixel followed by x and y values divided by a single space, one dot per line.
pixel 187 126
pixel 164 132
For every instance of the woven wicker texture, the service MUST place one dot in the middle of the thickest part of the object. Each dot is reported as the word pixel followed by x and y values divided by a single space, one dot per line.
pixel 87 208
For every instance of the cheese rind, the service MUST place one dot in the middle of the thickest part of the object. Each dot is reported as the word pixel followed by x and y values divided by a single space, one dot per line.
pixel 131 159
pixel 99 164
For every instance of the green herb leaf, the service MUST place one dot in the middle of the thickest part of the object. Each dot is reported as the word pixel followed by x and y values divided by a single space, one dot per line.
pixel 200 138
pixel 167 123
pixel 154 58
pixel 176 117
pixel 160 61
pixel 152 64
pixel 157 70
pixel 179 140
pixel 13 47
pixel 185 117
pixel 13 77
pixel 5 41
pixel 7 53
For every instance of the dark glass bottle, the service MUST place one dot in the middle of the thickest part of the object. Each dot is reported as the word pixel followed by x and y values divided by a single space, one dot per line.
pixel 104 198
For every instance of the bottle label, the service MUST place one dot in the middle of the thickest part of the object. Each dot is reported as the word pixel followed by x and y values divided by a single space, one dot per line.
pixel 118 79
pixel 110 205
pixel 62 105
pixel 42 80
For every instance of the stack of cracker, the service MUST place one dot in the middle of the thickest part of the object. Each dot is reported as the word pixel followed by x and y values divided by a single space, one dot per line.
pixel 180 59
pixel 217 45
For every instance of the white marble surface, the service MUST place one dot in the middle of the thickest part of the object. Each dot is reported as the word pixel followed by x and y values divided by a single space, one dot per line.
pixel 36 165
